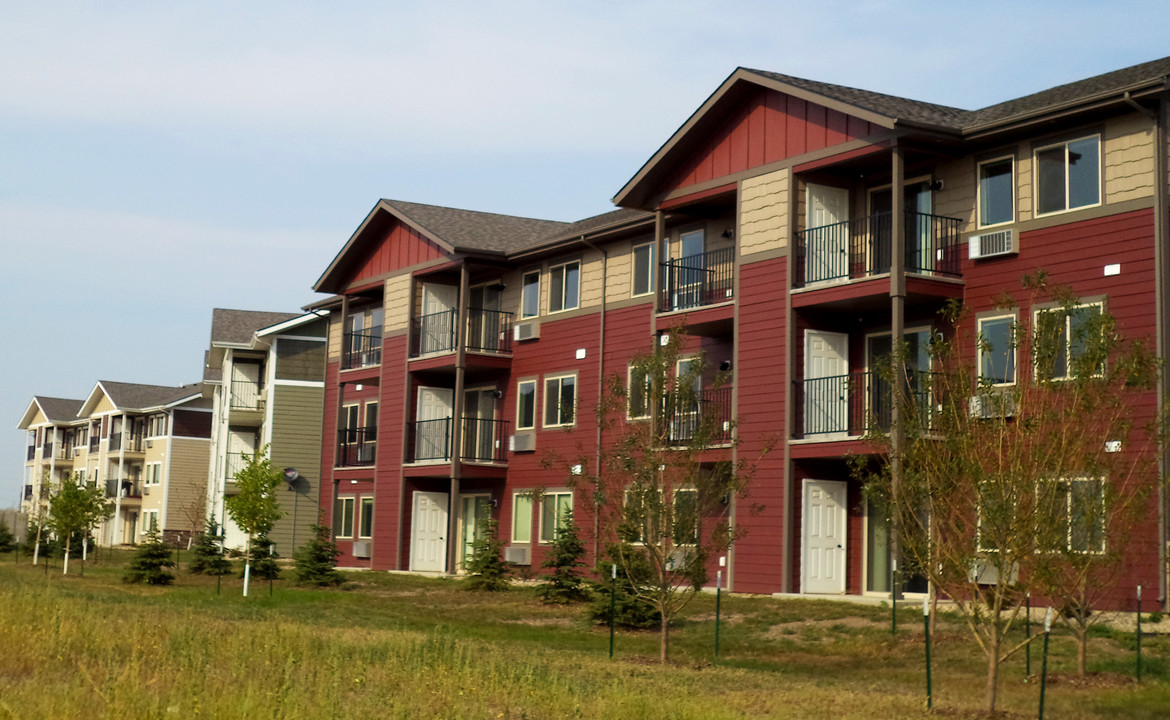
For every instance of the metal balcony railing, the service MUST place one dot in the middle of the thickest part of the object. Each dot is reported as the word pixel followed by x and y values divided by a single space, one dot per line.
pixel 362 349
pixel 489 330
pixel 862 248
pixel 710 414
pixel 28 492
pixel 128 487
pixel 429 440
pixel 483 440
pixel 357 447
pixel 32 452
pixel 850 404
pixel 246 395
pixel 235 463
pixel 433 333
pixel 94 441
pixel 697 280
pixel 115 441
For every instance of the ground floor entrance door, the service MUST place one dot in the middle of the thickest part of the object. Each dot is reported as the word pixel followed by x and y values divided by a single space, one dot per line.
pixel 824 537
pixel 428 545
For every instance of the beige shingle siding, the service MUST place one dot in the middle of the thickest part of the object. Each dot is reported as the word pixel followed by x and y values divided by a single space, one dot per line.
pixel 1129 159
pixel 620 265
pixel 1024 183
pixel 957 198
pixel 296 442
pixel 187 478
pixel 396 304
pixel 336 323
pixel 763 220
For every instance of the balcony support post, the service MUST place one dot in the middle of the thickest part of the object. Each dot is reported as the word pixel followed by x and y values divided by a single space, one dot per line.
pixel 118 530
pixel 897 333
pixel 456 436
pixel 340 405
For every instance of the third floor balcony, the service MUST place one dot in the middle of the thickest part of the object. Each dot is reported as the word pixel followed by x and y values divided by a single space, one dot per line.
pixel 488 332
pixel 361 349
pixel 697 281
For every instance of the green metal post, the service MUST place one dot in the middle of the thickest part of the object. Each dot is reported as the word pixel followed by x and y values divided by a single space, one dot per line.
pixel 894 598
pixel 612 605
pixel 1028 634
pixel 926 627
pixel 718 594
pixel 1044 663
pixel 1139 633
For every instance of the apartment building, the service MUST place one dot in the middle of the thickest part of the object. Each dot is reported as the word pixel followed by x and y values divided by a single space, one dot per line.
pixel 796 229
pixel 265 378
pixel 52 427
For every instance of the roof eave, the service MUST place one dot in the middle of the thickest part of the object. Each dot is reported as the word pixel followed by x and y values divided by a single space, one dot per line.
pixel 291 323
pixel 1079 104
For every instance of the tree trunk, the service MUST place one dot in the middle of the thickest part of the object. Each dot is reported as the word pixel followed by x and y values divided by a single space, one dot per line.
pixel 65 566
pixel 664 644
pixel 1082 650
pixel 247 565
pixel 37 544
pixel 992 672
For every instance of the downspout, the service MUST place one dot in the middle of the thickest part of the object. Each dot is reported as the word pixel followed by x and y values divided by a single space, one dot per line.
pixel 897 332
pixel 788 477
pixel 600 390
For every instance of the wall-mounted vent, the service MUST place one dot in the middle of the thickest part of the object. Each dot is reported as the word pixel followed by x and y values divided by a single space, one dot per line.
pixel 518 555
pixel 525 331
pixel 992 244
pixel 362 549
pixel 522 442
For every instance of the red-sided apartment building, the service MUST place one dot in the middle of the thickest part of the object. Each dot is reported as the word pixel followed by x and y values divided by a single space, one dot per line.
pixel 467 347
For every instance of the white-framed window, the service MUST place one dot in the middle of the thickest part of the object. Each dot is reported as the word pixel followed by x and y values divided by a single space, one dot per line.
pixel 81 477
pixel 997 191
pixel 556 508
pixel 564 286
pixel 343 518
pixel 157 426
pixel 521 518
pixel 149 522
pixel 560 400
pixel 530 294
pixel 526 405
pixel 646 513
pixel 997 349
pixel 639 391
pixel 642 270
pixel 153 473
pixel 81 436
pixel 1068 175
pixel 1077 507
pixel 366 518
pixel 1070 327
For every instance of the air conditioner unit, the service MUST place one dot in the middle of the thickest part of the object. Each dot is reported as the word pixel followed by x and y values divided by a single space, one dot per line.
pixel 362 549
pixel 146 490
pixel 992 244
pixel 991 405
pixel 525 331
pixel 523 442
pixel 518 555
pixel 677 560
pixel 149 444
pixel 982 572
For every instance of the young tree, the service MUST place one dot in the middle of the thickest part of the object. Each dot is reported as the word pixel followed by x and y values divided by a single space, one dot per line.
pixel 74 510
pixel 316 560
pixel 254 507
pixel 565 584
pixel 486 569
pixel 207 553
pixel 264 555
pixel 627 609
pixel 980 472
pixel 7 539
pixel 150 562
pixel 654 489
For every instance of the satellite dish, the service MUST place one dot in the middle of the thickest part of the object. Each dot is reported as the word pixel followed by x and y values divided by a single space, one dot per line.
pixel 291 475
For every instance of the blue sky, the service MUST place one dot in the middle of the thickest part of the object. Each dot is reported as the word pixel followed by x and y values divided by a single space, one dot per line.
pixel 161 159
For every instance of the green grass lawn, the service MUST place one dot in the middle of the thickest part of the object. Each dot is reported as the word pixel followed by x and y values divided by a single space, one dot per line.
pixel 402 646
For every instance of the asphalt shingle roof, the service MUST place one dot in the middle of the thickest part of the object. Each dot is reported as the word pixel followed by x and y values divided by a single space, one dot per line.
pixel 133 396
pixel 237 326
pixel 59 409
pixel 477 231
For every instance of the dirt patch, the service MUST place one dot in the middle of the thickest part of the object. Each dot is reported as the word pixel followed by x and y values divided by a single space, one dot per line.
pixel 788 629
pixel 729 618
pixel 541 622
pixel 1090 680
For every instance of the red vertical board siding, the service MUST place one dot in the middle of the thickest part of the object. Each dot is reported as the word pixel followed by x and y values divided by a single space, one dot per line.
pixel 771 126
pixel 761 392
pixel 388 474
pixel 399 247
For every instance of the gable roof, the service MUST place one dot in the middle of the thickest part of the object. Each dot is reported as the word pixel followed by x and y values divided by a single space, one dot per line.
pixel 136 396
pixel 55 410
pixel 236 327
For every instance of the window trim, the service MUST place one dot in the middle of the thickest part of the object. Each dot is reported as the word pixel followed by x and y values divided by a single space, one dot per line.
pixel 565 307
pixel 361 504
pixel 630 395
pixel 544 415
pixel 1015 359
pixel 516 497
pixel 157 474
pixel 634 269
pixel 555 495
pixel 144 527
pixel 1037 149
pixel 641 539
pixel 343 500
pixel 523 280
pixel 1038 310
pixel 535 402
pixel 1069 520
pixel 1011 159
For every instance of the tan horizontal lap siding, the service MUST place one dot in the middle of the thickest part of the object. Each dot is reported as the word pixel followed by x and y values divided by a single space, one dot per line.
pixel 186 477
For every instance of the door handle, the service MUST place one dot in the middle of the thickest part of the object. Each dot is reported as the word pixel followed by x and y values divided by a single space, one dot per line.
pixel 838 547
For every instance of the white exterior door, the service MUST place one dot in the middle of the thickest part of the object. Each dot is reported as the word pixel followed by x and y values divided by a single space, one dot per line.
pixel 824 537
pixel 438 319
pixel 826 386
pixel 826 234
pixel 433 429
pixel 428 545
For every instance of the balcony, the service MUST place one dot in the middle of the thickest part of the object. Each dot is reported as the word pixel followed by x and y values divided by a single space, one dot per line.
pixel 246 395
pixel 429 441
pixel 235 463
pixel 31 454
pixel 94 441
pixel 709 415
pixel 125 441
pixel 361 350
pixel 846 406
pixel 697 280
pixel 356 447
pixel 127 488
pixel 488 331
pixel 28 492
pixel 861 248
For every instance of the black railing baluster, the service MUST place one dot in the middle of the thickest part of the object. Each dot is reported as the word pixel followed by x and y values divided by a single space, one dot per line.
pixel 357 446
pixel 361 349
pixel 697 280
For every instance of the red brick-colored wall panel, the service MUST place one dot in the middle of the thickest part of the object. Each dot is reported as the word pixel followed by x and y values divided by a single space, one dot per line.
pixel 388 472
pixel 396 248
